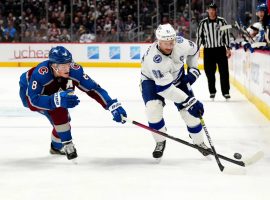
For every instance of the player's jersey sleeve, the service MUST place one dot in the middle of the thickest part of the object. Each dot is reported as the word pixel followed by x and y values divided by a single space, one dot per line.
pixel 89 86
pixel 191 51
pixel 40 77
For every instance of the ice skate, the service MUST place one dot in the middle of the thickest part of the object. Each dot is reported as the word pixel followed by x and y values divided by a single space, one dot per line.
pixel 227 97
pixel 212 97
pixel 160 147
pixel 55 151
pixel 70 150
pixel 203 145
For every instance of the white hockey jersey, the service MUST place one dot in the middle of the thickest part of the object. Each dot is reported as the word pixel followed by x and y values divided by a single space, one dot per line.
pixel 167 70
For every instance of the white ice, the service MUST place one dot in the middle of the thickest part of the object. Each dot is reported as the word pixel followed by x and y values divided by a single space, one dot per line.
pixel 115 161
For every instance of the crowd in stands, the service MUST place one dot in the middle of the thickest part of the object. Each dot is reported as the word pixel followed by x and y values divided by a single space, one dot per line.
pixel 97 20
pixel 91 20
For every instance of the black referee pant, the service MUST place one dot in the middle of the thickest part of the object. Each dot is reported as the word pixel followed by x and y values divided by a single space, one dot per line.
pixel 212 58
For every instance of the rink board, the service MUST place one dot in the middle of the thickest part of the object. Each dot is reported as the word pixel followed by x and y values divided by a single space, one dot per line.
pixel 250 73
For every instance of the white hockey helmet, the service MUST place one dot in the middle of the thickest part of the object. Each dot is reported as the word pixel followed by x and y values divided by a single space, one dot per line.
pixel 165 32
pixel 258 25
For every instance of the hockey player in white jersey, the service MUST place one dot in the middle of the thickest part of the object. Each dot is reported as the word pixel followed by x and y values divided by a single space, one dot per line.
pixel 163 77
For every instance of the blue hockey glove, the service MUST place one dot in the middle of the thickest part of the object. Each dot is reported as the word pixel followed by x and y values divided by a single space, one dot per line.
pixel 247 46
pixel 117 111
pixel 194 107
pixel 192 75
pixel 65 99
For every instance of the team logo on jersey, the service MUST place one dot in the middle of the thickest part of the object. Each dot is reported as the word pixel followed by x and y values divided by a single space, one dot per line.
pixel 179 39
pixel 182 58
pixel 157 59
pixel 93 52
pixel 43 70
pixel 75 66
pixel 135 53
pixel 114 52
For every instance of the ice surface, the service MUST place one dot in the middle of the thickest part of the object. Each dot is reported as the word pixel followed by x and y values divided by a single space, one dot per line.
pixel 115 161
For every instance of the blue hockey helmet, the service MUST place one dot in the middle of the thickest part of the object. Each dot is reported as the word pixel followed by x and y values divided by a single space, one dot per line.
pixel 262 7
pixel 60 55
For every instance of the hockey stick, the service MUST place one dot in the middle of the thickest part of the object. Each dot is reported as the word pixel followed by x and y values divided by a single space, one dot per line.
pixel 221 167
pixel 257 156
pixel 253 45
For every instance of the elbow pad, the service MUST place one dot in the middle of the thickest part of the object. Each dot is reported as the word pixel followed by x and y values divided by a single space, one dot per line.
pixel 174 94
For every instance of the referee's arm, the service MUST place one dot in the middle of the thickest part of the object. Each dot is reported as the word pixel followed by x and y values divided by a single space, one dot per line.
pixel 200 35
pixel 226 35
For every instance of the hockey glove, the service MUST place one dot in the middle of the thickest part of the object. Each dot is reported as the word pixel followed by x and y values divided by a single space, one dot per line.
pixel 192 75
pixel 117 111
pixel 65 99
pixel 194 107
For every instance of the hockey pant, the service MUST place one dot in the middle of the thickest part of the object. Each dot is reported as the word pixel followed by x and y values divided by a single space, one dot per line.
pixel 59 118
pixel 154 105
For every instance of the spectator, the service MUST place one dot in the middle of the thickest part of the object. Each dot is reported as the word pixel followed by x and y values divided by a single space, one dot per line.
pixel 112 37
pixel 85 36
pixel 9 32
pixel 7 38
pixel 64 37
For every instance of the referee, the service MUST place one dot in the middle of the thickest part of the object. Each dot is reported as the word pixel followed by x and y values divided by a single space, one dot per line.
pixel 216 51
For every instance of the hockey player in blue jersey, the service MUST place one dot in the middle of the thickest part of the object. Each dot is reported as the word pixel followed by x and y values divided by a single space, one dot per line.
pixel 163 77
pixel 49 88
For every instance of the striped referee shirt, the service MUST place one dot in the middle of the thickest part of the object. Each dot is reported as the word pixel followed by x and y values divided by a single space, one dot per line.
pixel 210 36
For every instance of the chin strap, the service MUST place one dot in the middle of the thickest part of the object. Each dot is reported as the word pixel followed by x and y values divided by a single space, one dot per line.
pixel 55 69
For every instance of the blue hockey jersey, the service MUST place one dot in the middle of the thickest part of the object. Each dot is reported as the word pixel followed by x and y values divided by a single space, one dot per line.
pixel 38 84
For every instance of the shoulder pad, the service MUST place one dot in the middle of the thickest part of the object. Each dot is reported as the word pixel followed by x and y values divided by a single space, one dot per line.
pixel 76 71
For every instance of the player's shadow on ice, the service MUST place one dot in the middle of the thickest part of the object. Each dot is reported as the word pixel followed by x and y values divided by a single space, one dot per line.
pixel 223 101
pixel 49 162
pixel 136 162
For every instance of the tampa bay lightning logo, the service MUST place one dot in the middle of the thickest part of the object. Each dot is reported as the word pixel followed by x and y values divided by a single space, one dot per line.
pixel 157 59
pixel 179 39
pixel 182 58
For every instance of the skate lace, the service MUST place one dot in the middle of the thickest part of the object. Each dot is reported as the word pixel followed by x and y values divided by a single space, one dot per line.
pixel 203 145
pixel 69 148
pixel 159 146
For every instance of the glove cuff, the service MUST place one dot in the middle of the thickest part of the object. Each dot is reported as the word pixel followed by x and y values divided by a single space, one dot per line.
pixel 57 99
pixel 113 105
pixel 189 102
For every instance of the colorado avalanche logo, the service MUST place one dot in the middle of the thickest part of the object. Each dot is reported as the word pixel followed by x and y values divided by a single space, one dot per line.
pixel 157 59
pixel 75 66
pixel 43 70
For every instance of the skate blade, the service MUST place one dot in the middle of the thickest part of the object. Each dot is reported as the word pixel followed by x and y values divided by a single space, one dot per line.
pixel 158 160
pixel 234 171
pixel 74 161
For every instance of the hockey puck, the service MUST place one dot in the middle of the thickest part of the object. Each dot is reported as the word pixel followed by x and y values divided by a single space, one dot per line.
pixel 237 156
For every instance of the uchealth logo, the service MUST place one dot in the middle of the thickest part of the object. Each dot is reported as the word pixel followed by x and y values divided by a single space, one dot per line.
pixel 93 52
pixel 266 83
pixel 30 53
pixel 114 52
pixel 135 53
